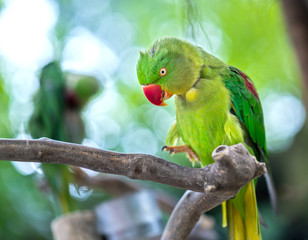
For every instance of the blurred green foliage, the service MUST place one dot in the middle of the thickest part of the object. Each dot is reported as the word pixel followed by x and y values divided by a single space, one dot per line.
pixel 17 220
pixel 24 213
pixel 4 106
pixel 250 35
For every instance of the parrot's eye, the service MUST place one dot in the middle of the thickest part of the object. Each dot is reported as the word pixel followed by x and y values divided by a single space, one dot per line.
pixel 163 71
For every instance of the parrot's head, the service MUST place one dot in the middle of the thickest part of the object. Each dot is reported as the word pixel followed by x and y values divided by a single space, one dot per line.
pixel 170 66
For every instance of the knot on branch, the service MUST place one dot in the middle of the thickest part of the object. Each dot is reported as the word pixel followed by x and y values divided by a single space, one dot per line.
pixel 234 167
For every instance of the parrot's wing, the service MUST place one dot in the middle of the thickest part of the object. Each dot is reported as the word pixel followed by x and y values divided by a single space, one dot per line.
pixel 173 137
pixel 247 107
pixel 47 120
pixel 47 117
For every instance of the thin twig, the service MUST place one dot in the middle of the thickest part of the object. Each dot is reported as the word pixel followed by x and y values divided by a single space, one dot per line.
pixel 118 186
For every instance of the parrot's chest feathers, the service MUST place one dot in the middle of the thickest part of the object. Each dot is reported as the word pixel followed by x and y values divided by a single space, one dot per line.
pixel 204 121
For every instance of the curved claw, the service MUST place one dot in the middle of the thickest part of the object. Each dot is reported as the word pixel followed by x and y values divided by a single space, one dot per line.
pixel 182 149
pixel 171 151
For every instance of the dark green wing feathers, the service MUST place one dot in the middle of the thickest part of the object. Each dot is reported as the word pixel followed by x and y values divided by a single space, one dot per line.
pixel 247 107
pixel 48 115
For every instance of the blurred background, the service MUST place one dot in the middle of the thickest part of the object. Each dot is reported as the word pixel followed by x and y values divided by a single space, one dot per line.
pixel 102 39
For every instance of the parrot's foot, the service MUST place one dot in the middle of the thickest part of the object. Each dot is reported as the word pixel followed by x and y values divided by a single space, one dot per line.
pixel 182 149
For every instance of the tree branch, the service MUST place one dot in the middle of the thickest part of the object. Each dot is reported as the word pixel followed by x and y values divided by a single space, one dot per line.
pixel 233 169
pixel 134 166
pixel 118 186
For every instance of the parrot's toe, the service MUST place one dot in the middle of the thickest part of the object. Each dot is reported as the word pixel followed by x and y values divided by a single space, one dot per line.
pixel 182 149
pixel 233 197
pixel 171 150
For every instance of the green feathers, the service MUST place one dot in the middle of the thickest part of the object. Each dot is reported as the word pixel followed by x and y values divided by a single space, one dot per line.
pixel 247 107
pixel 49 105
pixel 56 115
pixel 181 59
pixel 200 80
pixel 47 120
pixel 215 104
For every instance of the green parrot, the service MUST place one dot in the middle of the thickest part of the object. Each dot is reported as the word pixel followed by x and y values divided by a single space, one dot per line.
pixel 216 104
pixel 57 115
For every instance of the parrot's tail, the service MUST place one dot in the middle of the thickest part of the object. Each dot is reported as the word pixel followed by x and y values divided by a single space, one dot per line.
pixel 58 178
pixel 243 224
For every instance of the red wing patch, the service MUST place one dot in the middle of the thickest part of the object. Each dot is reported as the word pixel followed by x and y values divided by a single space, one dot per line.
pixel 249 85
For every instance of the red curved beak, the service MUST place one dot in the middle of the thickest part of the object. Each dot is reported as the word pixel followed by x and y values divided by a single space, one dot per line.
pixel 155 94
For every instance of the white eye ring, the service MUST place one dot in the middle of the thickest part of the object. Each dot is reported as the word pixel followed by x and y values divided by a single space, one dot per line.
pixel 163 72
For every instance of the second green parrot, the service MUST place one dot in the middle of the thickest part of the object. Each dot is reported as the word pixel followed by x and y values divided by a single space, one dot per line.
pixel 215 104
pixel 57 115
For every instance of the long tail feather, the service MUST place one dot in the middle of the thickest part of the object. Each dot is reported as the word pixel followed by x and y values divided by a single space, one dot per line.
pixel 252 223
pixel 236 230
pixel 247 225
pixel 269 182
pixel 58 179
pixel 224 214
pixel 271 192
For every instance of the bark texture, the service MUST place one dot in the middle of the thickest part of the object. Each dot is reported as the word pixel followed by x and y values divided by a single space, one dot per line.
pixel 234 167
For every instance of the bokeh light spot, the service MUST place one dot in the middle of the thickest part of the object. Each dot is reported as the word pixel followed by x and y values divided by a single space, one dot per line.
pixel 25 41
pixel 284 116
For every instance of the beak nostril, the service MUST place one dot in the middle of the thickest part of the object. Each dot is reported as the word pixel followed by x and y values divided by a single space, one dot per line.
pixel 162 95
